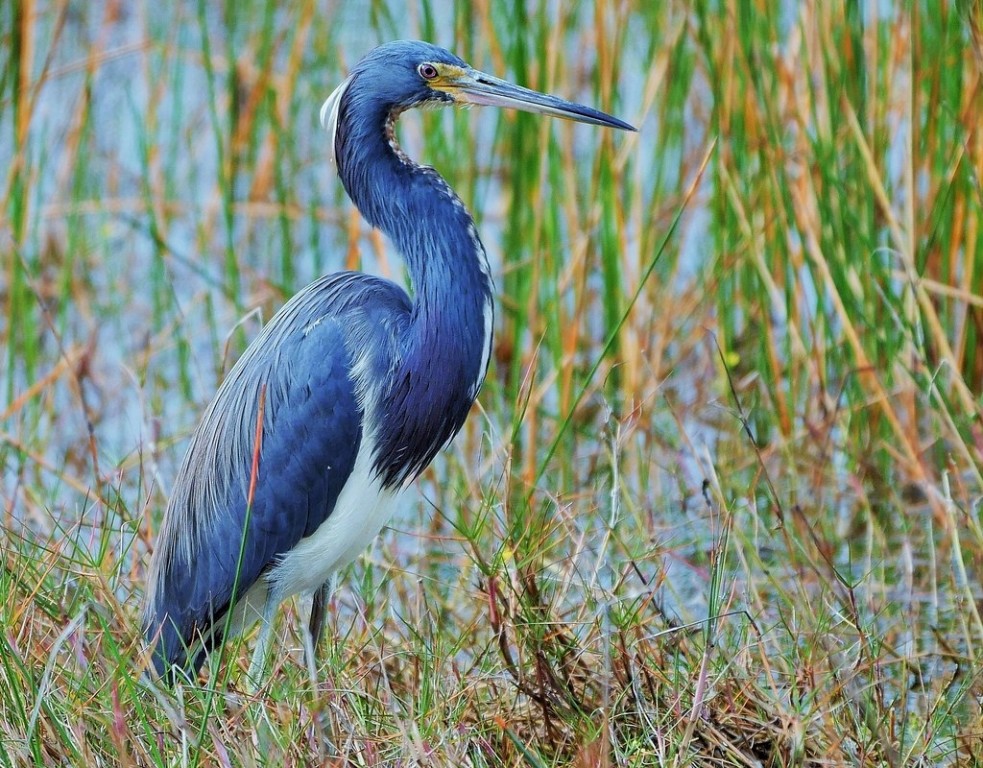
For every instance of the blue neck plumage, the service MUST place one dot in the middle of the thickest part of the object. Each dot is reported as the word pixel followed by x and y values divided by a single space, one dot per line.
pixel 445 350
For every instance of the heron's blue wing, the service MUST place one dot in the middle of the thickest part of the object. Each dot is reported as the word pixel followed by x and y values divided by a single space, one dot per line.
pixel 217 545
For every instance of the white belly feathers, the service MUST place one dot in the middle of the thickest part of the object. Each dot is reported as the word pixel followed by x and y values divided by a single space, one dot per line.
pixel 363 507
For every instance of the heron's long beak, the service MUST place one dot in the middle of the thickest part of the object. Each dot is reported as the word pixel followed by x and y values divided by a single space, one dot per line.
pixel 473 87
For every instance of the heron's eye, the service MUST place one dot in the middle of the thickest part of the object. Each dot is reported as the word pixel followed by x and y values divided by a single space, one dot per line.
pixel 427 71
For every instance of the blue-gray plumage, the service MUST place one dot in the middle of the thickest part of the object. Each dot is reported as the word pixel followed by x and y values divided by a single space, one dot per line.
pixel 361 384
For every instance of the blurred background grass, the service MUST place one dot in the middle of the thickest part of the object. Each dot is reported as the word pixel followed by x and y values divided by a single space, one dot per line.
pixel 720 501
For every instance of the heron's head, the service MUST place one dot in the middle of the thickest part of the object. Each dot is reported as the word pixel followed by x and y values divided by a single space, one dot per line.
pixel 407 73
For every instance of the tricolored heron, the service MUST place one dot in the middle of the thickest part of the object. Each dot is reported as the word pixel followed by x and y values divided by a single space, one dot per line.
pixel 354 384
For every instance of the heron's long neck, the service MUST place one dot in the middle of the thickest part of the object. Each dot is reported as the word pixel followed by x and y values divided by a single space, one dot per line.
pixel 447 344
pixel 412 204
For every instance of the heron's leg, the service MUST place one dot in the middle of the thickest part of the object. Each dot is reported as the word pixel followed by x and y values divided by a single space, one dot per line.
pixel 315 627
pixel 261 652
